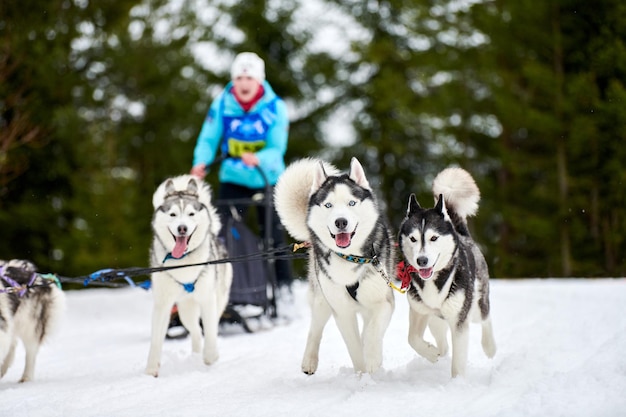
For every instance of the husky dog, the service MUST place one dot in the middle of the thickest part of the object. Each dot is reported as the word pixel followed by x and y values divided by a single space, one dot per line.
pixel 350 255
pixel 185 226
pixel 30 315
pixel 449 276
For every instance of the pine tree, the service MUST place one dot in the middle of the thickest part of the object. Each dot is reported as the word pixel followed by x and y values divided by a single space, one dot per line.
pixel 544 90
pixel 38 88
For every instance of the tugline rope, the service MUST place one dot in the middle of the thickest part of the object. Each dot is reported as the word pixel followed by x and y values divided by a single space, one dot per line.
pixel 104 276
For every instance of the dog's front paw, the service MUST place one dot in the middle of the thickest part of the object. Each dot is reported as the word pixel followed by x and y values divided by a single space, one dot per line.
pixel 372 366
pixel 431 353
pixel 426 350
pixel 309 365
pixel 153 371
pixel 210 358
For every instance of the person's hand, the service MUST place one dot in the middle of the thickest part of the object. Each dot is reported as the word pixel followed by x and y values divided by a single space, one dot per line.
pixel 250 159
pixel 198 171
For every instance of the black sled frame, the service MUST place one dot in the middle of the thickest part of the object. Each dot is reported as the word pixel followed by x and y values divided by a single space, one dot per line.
pixel 254 281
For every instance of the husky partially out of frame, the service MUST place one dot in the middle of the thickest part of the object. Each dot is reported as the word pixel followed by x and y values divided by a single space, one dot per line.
pixel 30 315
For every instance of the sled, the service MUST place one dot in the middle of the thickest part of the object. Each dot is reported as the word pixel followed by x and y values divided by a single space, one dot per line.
pixel 254 280
pixel 252 289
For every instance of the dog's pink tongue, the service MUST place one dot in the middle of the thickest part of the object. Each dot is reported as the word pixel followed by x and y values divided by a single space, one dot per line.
pixel 425 273
pixel 342 240
pixel 180 247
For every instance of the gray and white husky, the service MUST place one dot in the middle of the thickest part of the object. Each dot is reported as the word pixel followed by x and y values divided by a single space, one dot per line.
pixel 350 256
pixel 185 227
pixel 30 316
pixel 449 277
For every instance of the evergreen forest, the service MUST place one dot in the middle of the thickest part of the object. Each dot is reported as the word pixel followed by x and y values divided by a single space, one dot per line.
pixel 102 100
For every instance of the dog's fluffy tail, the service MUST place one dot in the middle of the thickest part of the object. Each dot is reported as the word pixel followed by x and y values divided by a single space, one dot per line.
pixel 292 192
pixel 460 192
pixel 56 305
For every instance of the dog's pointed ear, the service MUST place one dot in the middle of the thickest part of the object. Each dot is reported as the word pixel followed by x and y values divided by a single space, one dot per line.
pixel 357 174
pixel 319 176
pixel 413 206
pixel 440 207
pixel 169 188
pixel 192 186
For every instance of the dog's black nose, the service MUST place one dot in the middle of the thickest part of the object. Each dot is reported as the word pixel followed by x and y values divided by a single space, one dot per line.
pixel 422 261
pixel 341 223
pixel 182 229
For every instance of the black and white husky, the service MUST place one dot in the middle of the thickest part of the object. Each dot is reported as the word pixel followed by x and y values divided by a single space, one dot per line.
pixel 30 315
pixel 350 256
pixel 449 276
pixel 185 228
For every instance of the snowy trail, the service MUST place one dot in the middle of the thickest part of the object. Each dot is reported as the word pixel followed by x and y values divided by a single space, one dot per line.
pixel 560 352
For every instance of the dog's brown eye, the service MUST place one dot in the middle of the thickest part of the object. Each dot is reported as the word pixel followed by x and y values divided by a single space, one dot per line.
pixel 432 239
pixel 172 214
pixel 412 239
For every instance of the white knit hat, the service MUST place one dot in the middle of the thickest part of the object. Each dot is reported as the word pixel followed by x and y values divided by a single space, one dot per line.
pixel 248 63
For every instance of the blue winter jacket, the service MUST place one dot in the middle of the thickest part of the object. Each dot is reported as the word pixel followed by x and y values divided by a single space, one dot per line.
pixel 228 129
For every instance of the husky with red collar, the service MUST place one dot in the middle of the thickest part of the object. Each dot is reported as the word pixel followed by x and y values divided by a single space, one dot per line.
pixel 185 228
pixel 449 279
pixel 350 256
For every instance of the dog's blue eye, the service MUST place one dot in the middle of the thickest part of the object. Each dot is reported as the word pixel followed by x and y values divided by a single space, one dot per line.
pixel 328 205
pixel 432 239
pixel 352 203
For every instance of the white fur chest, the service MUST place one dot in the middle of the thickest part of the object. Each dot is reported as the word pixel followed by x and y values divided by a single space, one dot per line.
pixel 334 277
pixel 434 300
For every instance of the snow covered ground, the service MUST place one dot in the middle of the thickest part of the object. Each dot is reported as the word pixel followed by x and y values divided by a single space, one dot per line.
pixel 561 353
